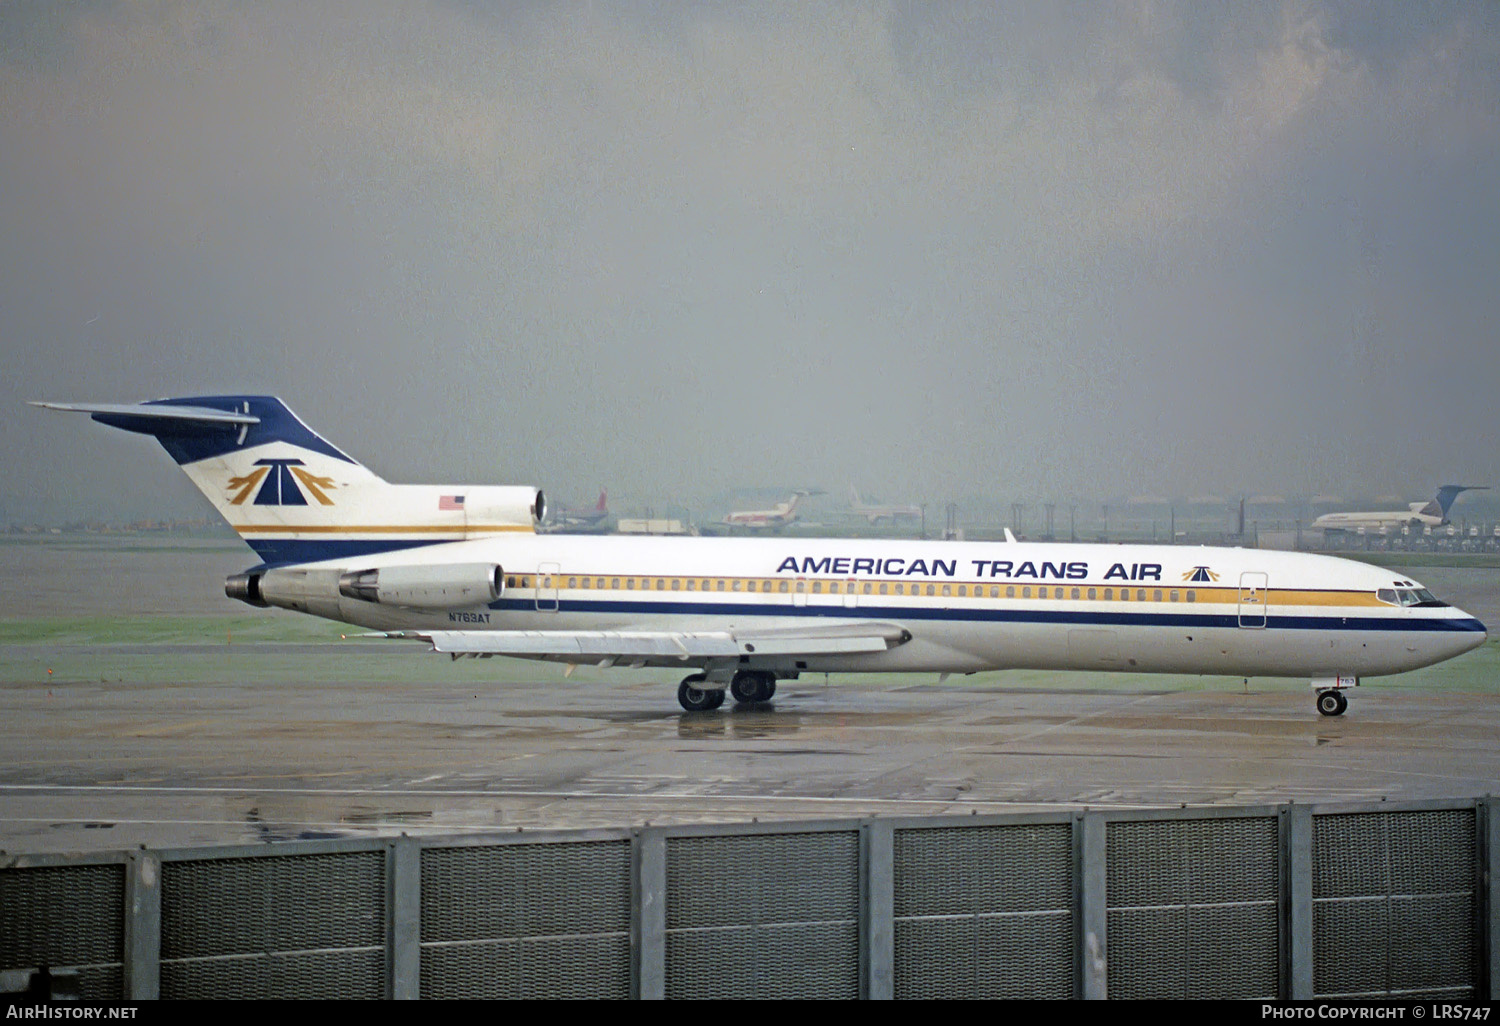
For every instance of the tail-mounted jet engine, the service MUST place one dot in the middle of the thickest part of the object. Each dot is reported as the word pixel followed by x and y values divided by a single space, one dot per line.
pixel 448 586
pixel 317 591
pixel 246 588
pixel 490 505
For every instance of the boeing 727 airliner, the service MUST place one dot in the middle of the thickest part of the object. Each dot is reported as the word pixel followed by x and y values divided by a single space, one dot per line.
pixel 1433 513
pixel 463 569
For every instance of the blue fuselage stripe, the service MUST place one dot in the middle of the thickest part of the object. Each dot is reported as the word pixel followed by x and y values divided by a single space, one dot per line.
pixel 280 551
pixel 1119 618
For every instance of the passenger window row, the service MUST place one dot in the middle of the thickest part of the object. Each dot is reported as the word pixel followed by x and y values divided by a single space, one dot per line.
pixel 817 587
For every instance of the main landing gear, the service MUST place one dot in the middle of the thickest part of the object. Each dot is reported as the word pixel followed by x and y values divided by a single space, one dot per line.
pixel 753 686
pixel 749 687
pixel 1332 703
pixel 696 698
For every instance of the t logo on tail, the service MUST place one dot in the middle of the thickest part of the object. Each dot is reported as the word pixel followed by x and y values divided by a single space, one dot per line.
pixel 280 477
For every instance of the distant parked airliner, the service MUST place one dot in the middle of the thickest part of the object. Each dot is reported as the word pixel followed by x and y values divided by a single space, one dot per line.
pixel 1433 513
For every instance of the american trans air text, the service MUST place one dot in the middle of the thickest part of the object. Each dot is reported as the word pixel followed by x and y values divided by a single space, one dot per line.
pixel 895 566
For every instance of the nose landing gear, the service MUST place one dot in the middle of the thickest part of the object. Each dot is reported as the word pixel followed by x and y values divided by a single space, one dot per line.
pixel 1331 700
pixel 1332 703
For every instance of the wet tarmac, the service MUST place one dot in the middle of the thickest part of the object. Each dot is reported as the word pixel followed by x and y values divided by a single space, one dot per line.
pixel 110 766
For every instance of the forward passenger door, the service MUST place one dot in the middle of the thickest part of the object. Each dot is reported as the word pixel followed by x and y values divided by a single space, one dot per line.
pixel 1254 598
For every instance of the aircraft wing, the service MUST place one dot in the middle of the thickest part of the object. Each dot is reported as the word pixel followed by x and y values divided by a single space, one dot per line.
pixel 641 646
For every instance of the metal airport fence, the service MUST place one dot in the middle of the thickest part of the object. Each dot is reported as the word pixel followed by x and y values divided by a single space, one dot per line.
pixel 1286 901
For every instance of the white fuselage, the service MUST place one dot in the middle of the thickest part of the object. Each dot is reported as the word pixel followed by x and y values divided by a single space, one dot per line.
pixel 1393 519
pixel 969 606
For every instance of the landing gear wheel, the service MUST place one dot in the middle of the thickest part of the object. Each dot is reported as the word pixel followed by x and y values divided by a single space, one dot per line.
pixel 1332 703
pixel 698 699
pixel 745 687
pixel 751 686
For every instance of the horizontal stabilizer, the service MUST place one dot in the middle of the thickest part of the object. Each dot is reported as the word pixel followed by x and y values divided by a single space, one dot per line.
pixel 206 427
pixel 154 417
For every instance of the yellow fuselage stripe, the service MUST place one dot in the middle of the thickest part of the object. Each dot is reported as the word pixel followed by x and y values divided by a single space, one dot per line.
pixel 1280 597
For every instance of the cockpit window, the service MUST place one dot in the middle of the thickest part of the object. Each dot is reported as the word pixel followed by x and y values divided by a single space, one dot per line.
pixel 1408 594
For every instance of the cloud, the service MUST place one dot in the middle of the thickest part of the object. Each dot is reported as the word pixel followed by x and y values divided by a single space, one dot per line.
pixel 963 247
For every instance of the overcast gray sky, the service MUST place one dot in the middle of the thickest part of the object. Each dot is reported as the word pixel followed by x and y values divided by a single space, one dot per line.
pixel 1038 251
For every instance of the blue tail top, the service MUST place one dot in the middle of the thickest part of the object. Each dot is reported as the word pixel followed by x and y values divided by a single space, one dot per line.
pixel 1448 493
pixel 214 425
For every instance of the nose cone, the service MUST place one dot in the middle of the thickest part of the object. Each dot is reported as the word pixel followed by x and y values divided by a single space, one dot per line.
pixel 1470 633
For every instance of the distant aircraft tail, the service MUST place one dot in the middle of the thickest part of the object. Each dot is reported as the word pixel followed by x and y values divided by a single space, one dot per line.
pixel 293 496
pixel 603 500
pixel 1439 506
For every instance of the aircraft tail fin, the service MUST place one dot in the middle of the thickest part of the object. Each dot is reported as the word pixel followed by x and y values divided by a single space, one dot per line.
pixel 603 501
pixel 295 497
pixel 1445 496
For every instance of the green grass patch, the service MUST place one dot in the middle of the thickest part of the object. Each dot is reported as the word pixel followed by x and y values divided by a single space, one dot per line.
pixel 134 544
pixel 169 630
